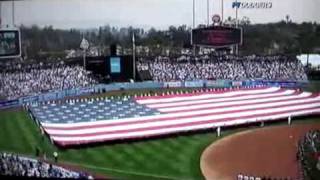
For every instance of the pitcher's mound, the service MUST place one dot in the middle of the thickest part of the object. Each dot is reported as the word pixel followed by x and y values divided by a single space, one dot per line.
pixel 262 152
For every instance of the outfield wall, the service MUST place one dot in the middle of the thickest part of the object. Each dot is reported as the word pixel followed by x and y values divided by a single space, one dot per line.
pixel 57 95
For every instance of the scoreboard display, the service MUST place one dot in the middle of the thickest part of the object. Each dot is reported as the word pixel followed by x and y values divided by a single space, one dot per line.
pixel 10 43
pixel 117 68
pixel 217 36
pixel 115 65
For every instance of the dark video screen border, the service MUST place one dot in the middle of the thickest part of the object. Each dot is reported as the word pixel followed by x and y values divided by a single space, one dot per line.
pixel 17 43
pixel 217 36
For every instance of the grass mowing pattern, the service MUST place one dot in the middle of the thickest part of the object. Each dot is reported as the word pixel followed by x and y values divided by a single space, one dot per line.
pixel 168 158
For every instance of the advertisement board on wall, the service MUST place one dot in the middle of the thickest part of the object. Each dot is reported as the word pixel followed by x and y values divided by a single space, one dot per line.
pixel 237 83
pixel 49 96
pixel 8 104
pixel 172 84
pixel 116 86
pixel 212 84
pixel 29 99
pixel 85 91
pixel 193 84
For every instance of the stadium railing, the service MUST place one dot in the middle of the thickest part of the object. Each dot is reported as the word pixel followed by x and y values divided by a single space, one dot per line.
pixel 60 94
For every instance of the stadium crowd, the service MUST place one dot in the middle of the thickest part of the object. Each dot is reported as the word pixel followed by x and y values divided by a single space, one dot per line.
pixel 38 78
pixel 17 166
pixel 229 67
pixel 18 80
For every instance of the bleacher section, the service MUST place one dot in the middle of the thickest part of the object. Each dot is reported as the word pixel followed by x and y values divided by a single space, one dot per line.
pixel 276 68
pixel 12 165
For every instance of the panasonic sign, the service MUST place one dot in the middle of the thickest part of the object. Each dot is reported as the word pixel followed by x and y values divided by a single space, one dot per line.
pixel 252 5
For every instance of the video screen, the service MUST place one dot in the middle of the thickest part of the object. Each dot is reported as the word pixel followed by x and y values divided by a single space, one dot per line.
pixel 115 66
pixel 217 36
pixel 9 43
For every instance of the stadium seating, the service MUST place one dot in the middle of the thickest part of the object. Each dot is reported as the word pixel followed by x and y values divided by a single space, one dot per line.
pixel 19 166
pixel 37 79
pixel 224 67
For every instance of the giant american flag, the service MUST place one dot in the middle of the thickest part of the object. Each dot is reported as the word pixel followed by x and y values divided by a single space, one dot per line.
pixel 107 119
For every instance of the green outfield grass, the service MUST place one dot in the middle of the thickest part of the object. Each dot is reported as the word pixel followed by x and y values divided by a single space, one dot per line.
pixel 167 158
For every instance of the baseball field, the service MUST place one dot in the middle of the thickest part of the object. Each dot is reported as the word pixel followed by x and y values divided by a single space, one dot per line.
pixel 173 157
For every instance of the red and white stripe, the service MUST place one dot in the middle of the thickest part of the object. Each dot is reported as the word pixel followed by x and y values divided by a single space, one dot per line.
pixel 192 112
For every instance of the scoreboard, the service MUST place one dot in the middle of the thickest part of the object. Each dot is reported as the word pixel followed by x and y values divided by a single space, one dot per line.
pixel 115 64
pixel 217 36
pixel 118 68
pixel 10 43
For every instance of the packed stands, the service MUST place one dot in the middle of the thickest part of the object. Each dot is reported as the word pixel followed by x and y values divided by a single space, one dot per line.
pixel 83 121
pixel 19 166
pixel 19 80
pixel 34 79
pixel 223 67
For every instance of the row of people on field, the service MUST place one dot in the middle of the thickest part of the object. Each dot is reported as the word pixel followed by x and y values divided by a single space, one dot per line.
pixel 246 177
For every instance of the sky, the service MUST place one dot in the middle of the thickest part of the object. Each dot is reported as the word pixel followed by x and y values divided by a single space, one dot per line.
pixel 314 59
pixel 65 14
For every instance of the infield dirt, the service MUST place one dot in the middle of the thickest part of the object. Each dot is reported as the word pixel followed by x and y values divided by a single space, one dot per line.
pixel 269 151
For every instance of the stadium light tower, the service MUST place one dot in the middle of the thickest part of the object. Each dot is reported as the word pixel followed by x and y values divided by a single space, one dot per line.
pixel 134 56
pixel 193 14
pixel 84 45
pixel 0 14
pixel 222 11
pixel 237 25
pixel 12 12
pixel 237 14
pixel 193 25
pixel 207 12
pixel 13 23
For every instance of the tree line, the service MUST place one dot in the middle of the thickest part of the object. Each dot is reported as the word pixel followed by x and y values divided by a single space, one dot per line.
pixel 283 37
